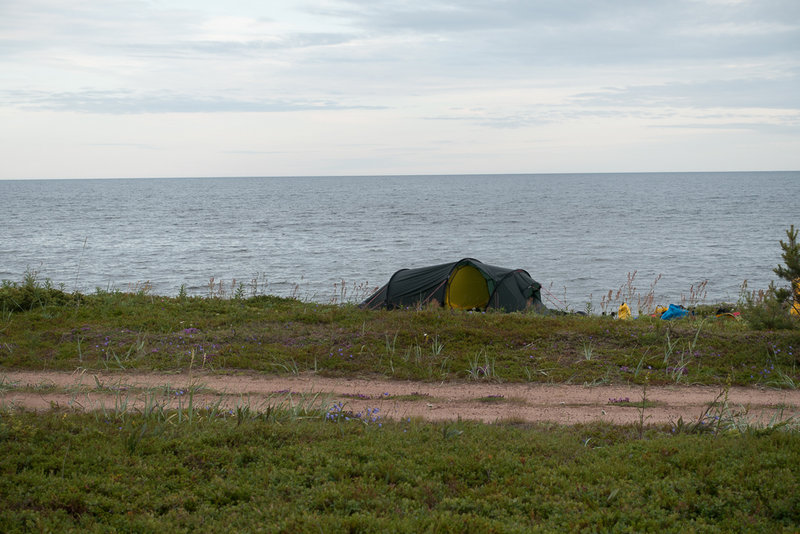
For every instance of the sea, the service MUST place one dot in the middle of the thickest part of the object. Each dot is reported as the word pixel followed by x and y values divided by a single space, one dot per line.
pixel 584 237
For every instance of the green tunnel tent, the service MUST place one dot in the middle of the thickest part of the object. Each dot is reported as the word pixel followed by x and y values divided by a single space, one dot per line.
pixel 467 284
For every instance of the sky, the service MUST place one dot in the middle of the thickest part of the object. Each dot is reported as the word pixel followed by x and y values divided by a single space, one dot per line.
pixel 168 88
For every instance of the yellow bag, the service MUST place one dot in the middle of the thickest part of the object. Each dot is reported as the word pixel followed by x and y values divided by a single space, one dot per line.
pixel 624 312
pixel 659 310
pixel 795 309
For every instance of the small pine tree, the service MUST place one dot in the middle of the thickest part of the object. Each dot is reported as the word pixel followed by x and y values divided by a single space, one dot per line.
pixel 769 310
pixel 791 271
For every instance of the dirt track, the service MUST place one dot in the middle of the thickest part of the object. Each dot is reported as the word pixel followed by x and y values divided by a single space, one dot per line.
pixel 488 402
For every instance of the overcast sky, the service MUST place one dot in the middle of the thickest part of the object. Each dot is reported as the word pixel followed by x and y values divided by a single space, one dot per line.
pixel 162 88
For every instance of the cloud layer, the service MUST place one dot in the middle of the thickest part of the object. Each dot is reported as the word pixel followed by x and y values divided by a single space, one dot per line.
pixel 353 87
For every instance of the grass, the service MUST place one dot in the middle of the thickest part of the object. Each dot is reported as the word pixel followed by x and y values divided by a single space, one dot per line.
pixel 114 331
pixel 323 470
pixel 299 463
pixel 628 403
pixel 414 397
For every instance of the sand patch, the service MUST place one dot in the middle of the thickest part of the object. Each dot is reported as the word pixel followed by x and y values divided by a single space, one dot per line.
pixel 480 401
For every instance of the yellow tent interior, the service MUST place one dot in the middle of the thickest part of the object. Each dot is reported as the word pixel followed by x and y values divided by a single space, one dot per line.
pixel 467 289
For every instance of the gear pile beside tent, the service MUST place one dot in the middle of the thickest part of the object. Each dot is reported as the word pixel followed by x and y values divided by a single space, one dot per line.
pixel 467 284
pixel 673 311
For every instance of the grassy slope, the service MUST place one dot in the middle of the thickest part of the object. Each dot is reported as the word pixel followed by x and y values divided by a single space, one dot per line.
pixel 300 471
pixel 268 334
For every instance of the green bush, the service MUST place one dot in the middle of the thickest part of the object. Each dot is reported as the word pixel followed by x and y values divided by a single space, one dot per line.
pixel 790 271
pixel 31 294
pixel 770 309
pixel 765 310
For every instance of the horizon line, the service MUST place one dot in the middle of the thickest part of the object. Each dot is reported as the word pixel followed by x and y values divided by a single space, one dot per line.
pixel 255 176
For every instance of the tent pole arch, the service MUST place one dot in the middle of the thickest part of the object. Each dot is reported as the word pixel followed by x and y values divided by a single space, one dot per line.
pixel 389 286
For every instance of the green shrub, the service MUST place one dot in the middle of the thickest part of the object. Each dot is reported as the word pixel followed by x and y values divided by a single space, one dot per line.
pixel 32 294
pixel 770 309
pixel 90 472
pixel 791 270
pixel 765 310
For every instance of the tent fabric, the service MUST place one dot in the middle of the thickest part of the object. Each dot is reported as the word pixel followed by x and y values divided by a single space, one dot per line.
pixel 466 284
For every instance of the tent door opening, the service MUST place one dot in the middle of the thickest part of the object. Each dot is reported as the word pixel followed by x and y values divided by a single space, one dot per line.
pixel 467 289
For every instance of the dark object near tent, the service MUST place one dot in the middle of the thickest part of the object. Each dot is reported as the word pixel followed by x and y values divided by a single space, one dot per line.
pixel 465 285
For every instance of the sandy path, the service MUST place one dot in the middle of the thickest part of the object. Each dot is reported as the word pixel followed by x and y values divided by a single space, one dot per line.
pixel 488 402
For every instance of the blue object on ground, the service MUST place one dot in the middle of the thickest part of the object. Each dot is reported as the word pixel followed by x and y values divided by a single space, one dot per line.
pixel 674 312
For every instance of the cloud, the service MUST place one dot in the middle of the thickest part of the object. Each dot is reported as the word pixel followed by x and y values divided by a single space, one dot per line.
pixel 138 146
pixel 414 74
pixel 779 93
pixel 589 31
pixel 788 128
pixel 128 102
pixel 355 46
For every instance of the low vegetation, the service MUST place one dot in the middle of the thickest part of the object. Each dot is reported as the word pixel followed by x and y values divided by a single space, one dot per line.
pixel 312 465
pixel 330 471
pixel 44 328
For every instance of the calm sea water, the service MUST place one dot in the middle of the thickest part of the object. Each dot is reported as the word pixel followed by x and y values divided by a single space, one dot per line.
pixel 578 235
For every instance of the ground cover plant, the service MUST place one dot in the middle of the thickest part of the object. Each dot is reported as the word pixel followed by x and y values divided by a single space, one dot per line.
pixel 312 464
pixel 44 328
pixel 331 470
